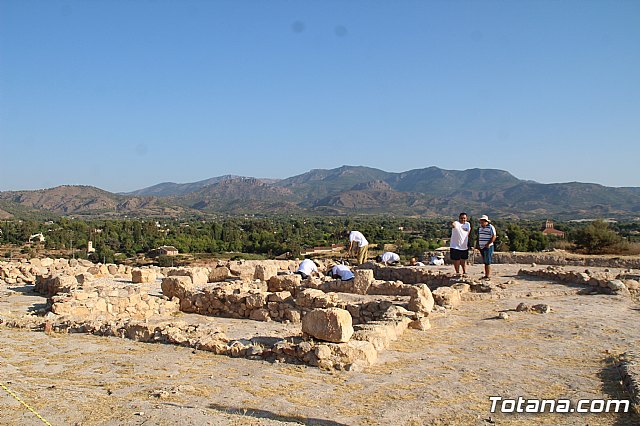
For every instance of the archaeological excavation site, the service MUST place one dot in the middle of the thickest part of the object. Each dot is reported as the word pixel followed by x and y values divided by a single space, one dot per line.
pixel 446 334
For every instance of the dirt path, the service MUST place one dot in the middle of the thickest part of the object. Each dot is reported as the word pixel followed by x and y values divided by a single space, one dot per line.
pixel 442 376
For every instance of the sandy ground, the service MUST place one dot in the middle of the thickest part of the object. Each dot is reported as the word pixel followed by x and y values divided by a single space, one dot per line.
pixel 442 376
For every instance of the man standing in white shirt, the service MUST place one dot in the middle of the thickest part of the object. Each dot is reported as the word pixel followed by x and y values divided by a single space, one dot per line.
pixel 361 246
pixel 459 248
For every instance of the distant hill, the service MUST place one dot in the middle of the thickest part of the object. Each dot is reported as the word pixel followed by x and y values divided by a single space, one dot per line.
pixel 426 192
pixel 85 200
pixel 240 195
pixel 171 189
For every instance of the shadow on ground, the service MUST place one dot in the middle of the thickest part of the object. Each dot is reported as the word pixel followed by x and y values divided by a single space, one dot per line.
pixel 264 414
pixel 613 389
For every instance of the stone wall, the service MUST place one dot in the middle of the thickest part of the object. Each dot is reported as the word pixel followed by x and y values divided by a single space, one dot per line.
pixel 566 259
pixel 629 369
pixel 111 303
pixel 34 270
pixel 411 275
pixel 600 282
pixel 241 299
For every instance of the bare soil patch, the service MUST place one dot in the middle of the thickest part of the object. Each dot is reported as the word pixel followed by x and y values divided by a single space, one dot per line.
pixel 441 376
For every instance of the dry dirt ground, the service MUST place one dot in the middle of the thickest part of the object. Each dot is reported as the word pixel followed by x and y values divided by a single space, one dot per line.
pixel 442 376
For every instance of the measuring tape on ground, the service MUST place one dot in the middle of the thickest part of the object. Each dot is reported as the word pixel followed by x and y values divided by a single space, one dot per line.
pixel 17 398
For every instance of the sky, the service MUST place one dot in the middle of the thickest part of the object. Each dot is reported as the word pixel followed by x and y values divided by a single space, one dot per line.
pixel 127 94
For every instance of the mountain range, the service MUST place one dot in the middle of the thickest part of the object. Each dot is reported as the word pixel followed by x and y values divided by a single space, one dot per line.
pixel 429 192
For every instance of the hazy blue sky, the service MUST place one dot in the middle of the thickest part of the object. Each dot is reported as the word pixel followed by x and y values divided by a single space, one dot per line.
pixel 126 94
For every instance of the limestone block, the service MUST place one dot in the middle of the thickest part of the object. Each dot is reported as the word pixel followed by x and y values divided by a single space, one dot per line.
pixel 244 270
pixel 284 282
pixel 80 295
pixel 632 284
pixel 422 300
pixel 279 297
pixel 313 298
pixel 84 278
pixel 198 275
pixel 331 325
pixel 421 324
pixel 143 276
pixel 354 355
pixel 256 300
pixel 362 281
pixel 462 287
pixel 219 274
pixel 176 286
pixel 265 271
pixel 447 296
pixel 101 305
pixel 292 315
pixel 260 315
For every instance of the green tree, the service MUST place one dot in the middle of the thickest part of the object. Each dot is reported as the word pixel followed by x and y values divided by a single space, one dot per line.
pixel 596 237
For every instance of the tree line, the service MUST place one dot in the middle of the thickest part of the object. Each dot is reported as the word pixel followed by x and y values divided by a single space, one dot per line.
pixel 119 239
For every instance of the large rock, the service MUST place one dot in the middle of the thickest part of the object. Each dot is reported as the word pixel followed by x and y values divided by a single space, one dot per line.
pixel 447 297
pixel 242 269
pixel 143 276
pixel 331 325
pixel 84 278
pixel 219 274
pixel 362 281
pixel 265 271
pixel 352 356
pixel 198 275
pixel 176 286
pixel 313 298
pixel 256 300
pixel 422 300
pixel 284 282
pixel 632 284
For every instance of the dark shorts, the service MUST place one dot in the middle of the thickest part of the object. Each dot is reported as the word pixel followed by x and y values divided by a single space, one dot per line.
pixel 302 274
pixel 456 254
pixel 487 255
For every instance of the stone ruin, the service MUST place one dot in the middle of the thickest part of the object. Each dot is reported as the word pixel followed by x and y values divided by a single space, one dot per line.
pixel 334 324
pixel 594 282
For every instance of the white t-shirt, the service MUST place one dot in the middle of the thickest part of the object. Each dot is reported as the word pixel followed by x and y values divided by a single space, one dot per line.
pixel 388 257
pixel 435 260
pixel 460 235
pixel 307 267
pixel 343 272
pixel 358 238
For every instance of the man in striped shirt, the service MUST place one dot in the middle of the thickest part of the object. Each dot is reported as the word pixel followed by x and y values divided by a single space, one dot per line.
pixel 486 237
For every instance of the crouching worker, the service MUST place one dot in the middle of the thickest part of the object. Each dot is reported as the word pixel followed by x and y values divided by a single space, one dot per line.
pixel 342 272
pixel 307 268
pixel 388 258
pixel 437 259
pixel 415 262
